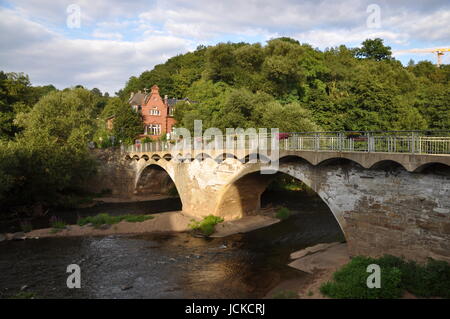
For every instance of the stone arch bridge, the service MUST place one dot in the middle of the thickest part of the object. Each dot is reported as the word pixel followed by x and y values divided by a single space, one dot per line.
pixel 395 202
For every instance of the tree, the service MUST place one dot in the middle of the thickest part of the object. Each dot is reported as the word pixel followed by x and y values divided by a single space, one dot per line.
pixel 221 63
pixel 127 124
pixel 374 49
pixel 17 95
pixel 49 159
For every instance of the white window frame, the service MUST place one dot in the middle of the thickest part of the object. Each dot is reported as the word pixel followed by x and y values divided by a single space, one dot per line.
pixel 154 129
pixel 155 111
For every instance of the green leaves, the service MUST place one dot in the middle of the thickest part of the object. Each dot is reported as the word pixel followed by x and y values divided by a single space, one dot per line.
pixel 397 275
pixel 50 157
pixel 374 49
pixel 127 123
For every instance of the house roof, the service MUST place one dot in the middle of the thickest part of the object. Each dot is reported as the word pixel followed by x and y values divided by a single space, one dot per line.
pixel 172 102
pixel 140 98
pixel 137 98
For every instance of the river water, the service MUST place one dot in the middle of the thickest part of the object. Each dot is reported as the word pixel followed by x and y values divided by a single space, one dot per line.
pixel 168 265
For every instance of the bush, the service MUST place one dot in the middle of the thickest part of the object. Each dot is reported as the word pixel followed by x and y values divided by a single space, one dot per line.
pixel 146 140
pixel 283 213
pixel 397 275
pixel 351 281
pixel 207 225
pixel 57 224
pixel 430 280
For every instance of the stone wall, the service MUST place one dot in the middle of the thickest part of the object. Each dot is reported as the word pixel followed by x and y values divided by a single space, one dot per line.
pixel 115 173
pixel 388 211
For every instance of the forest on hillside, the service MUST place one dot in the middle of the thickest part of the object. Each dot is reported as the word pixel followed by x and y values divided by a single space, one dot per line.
pixel 295 87
pixel 45 132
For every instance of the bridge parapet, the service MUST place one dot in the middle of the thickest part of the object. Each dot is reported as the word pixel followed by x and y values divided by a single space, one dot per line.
pixel 412 142
pixel 413 150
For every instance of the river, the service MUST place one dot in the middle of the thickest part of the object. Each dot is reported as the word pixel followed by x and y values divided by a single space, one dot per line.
pixel 168 265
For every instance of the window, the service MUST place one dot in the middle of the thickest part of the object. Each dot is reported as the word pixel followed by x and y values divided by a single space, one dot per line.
pixel 155 112
pixel 154 129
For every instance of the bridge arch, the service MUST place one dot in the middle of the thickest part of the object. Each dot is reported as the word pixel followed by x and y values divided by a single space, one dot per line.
pixel 293 159
pixel 242 195
pixel 224 156
pixel 156 157
pixel 434 167
pixel 155 177
pixel 387 165
pixel 338 161
pixel 246 159
pixel 202 156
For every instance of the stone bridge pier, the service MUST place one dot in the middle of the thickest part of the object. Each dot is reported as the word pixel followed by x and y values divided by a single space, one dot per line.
pixel 384 209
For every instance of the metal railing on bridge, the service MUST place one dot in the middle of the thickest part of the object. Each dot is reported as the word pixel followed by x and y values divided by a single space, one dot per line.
pixel 413 142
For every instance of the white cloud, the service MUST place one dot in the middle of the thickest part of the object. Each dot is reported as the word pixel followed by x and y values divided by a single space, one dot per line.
pixel 51 58
pixel 107 35
pixel 352 37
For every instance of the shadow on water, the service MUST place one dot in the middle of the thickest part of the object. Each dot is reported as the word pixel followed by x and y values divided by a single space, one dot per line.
pixel 167 265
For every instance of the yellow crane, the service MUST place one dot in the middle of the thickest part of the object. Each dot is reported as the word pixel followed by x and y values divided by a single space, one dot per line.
pixel 438 51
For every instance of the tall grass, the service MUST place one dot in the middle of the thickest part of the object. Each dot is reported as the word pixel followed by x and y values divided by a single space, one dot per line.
pixel 102 219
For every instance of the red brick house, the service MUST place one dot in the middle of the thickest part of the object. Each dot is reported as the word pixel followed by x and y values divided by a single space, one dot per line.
pixel 157 113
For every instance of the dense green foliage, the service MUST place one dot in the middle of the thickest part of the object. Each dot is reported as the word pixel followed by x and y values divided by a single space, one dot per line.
pixel 397 275
pixel 374 49
pixel 295 87
pixel 44 137
pixel 17 95
pixel 207 225
pixel 49 158
pixel 126 126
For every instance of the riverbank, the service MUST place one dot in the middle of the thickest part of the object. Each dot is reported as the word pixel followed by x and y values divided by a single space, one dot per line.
pixel 175 221
pixel 318 262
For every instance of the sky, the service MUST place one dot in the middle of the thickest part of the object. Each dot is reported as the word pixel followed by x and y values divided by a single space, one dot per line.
pixel 102 43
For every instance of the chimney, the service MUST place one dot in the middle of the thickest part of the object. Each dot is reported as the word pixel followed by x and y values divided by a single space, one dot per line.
pixel 155 89
pixel 166 98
